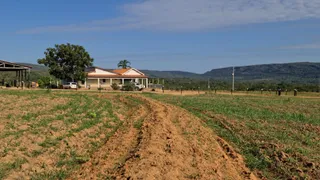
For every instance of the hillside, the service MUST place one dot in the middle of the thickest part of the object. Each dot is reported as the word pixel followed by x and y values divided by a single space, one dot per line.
pixel 35 67
pixel 303 72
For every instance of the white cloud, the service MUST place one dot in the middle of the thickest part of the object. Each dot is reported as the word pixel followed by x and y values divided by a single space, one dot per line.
pixel 195 15
pixel 303 46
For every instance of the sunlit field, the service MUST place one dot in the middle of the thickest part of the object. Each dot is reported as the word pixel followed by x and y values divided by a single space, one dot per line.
pixel 278 136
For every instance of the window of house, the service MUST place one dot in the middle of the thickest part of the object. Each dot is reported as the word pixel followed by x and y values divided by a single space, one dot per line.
pixel 103 80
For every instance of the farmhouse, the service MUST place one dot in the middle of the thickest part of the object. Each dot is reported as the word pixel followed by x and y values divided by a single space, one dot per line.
pixel 104 78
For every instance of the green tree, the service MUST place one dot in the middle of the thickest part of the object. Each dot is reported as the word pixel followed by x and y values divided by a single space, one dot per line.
pixel 124 64
pixel 67 61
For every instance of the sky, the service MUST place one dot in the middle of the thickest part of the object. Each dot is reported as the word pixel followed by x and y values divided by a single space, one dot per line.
pixel 186 35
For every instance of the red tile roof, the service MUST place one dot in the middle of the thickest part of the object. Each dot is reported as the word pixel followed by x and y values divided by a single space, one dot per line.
pixel 121 71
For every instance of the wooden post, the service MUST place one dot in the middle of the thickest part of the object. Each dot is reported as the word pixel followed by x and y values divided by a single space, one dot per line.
pixel 20 78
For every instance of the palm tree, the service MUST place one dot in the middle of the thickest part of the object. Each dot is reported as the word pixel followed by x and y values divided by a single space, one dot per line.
pixel 124 64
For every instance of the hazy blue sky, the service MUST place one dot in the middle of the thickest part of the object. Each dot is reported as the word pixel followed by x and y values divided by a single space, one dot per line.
pixel 191 35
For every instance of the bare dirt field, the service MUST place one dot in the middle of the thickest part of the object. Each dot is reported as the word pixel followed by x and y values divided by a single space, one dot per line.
pixel 77 135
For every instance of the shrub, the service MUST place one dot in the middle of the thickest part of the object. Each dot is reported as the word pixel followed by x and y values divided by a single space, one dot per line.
pixel 128 87
pixel 115 86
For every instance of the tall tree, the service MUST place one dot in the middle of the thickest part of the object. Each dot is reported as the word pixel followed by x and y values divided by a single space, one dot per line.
pixel 67 61
pixel 124 64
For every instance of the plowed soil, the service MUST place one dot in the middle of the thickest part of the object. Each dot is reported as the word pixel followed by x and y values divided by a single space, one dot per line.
pixel 109 136
pixel 170 144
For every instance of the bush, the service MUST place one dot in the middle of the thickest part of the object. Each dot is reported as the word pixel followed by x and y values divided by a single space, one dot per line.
pixel 44 82
pixel 115 86
pixel 128 87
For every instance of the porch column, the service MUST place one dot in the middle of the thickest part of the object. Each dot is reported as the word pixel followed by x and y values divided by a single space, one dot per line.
pixel 19 78
pixel 85 83
pixel 147 83
pixel 98 82
pixel 110 81
pixel 122 81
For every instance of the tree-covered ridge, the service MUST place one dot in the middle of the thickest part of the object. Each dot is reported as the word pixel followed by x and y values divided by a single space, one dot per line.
pixel 302 72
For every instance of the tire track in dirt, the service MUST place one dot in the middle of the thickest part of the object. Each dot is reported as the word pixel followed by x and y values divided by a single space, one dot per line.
pixel 171 144
pixel 175 145
pixel 109 159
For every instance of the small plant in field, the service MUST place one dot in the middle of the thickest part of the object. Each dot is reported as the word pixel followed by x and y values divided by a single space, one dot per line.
pixel 48 142
pixel 193 176
pixel 60 174
pixel 22 148
pixel 92 114
pixel 36 153
pixel 138 124
pixel 9 116
pixel 81 159
pixel 6 167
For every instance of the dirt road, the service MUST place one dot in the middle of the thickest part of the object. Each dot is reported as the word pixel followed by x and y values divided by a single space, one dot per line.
pixel 161 141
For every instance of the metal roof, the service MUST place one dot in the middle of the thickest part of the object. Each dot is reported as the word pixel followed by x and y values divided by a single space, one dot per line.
pixel 9 66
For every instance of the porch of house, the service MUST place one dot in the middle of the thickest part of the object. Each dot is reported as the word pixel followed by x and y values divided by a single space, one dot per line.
pixel 106 83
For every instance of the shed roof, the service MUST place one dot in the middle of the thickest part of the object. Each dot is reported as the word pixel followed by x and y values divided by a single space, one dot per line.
pixel 9 66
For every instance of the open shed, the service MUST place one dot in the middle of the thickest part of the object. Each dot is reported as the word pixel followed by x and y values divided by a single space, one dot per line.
pixel 22 72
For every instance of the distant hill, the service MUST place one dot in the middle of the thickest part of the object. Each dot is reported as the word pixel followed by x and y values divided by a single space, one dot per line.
pixel 300 72
pixel 37 71
pixel 35 67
